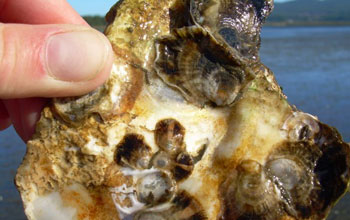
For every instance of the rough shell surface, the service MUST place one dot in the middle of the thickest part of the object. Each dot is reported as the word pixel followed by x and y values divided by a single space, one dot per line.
pixel 190 125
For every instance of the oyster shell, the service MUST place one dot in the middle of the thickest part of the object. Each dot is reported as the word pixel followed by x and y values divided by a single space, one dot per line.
pixel 190 125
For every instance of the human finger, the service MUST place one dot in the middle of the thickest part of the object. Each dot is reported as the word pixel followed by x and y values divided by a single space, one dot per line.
pixel 52 60
pixel 24 114
pixel 5 121
pixel 39 12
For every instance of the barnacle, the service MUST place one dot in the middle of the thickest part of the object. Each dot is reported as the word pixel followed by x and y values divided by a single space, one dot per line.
pixel 190 125
pixel 169 135
pixel 250 194
pixel 291 168
pixel 238 23
pixel 204 70
pixel 155 188
pixel 301 126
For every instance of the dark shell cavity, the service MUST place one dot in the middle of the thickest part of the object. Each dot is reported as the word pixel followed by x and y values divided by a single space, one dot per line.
pixel 169 135
pixel 180 15
pixel 332 168
pixel 249 194
pixel 184 159
pixel 184 166
pixel 185 207
pixel 155 188
pixel 133 152
pixel 236 22
pixel 202 69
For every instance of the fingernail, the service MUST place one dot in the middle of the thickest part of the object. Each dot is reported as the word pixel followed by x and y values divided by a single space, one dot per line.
pixel 76 56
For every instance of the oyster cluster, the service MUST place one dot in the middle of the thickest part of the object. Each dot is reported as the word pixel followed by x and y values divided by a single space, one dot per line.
pixel 190 125
pixel 155 176
pixel 296 178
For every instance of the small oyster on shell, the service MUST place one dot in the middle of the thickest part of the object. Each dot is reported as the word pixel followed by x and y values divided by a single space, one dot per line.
pixel 190 125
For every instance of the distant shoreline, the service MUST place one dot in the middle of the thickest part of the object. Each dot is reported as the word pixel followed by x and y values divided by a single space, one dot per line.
pixel 99 22
pixel 278 24
pixel 307 24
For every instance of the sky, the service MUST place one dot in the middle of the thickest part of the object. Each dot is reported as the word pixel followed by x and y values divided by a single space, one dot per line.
pixel 99 7
pixel 92 7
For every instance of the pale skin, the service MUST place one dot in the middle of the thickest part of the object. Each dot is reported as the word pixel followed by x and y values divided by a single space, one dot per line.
pixel 46 50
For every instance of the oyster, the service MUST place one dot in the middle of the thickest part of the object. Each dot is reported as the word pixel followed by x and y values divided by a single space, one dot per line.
pixel 190 125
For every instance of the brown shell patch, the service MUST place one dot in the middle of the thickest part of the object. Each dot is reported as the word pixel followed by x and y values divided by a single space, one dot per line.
pixel 169 135
pixel 133 151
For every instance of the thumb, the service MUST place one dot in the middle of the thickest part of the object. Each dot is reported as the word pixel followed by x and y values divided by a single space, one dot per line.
pixel 52 60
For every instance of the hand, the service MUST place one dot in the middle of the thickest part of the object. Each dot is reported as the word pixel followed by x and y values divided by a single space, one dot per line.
pixel 46 50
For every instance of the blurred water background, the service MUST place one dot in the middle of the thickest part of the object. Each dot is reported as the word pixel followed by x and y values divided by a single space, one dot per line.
pixel 312 64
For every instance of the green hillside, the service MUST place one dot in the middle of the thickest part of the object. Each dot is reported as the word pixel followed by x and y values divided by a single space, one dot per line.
pixel 312 11
pixel 95 20
pixel 297 12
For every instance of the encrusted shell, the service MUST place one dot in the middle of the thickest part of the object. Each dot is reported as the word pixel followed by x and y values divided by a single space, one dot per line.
pixel 190 125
